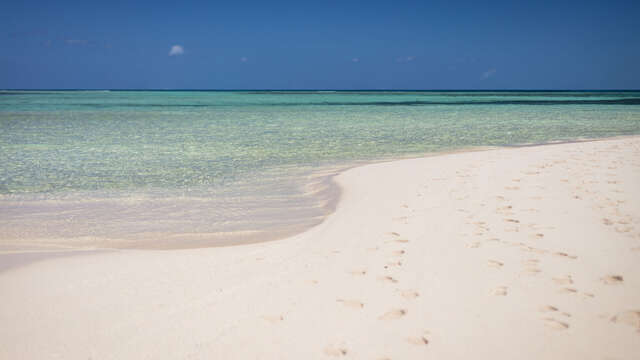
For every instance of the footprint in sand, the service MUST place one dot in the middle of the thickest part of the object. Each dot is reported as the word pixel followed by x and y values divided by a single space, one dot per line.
pixel 332 350
pixel 351 303
pixel 612 279
pixel 494 264
pixel 548 308
pixel 409 294
pixel 555 324
pixel 631 318
pixel 532 270
pixel 531 262
pixel 513 243
pixel 393 264
pixel 500 291
pixel 563 280
pixel 388 279
pixel 398 253
pixel 564 254
pixel 421 340
pixel 567 291
pixel 535 250
pixel 393 314
pixel 358 272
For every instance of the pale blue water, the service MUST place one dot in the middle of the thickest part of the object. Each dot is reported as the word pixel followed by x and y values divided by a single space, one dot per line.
pixel 134 167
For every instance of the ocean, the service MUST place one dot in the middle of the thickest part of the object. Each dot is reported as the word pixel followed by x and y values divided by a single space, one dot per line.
pixel 173 169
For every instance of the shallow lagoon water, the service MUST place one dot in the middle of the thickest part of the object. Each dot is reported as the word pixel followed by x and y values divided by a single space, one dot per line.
pixel 182 169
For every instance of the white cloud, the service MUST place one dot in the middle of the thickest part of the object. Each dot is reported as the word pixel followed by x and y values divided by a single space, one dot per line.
pixel 176 50
pixel 489 73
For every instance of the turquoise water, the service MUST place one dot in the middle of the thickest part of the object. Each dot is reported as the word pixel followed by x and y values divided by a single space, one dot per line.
pixel 130 168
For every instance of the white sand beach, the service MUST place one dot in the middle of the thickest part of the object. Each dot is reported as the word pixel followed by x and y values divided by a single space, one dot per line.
pixel 515 253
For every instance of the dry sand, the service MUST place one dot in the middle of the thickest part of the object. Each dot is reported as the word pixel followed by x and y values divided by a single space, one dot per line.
pixel 527 253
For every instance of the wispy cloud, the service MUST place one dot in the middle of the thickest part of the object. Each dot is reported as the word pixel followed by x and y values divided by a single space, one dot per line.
pixel 355 60
pixel 405 59
pixel 76 42
pixel 489 73
pixel 176 50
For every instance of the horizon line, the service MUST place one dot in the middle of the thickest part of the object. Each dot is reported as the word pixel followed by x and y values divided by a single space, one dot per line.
pixel 320 90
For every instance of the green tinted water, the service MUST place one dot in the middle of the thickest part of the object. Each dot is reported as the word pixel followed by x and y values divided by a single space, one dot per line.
pixel 131 165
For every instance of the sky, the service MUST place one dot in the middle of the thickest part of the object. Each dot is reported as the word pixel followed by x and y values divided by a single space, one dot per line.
pixel 506 44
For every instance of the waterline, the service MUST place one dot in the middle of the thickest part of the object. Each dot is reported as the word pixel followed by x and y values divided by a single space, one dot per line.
pixel 81 168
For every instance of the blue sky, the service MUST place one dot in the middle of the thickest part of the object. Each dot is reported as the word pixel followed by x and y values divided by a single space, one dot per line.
pixel 320 44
